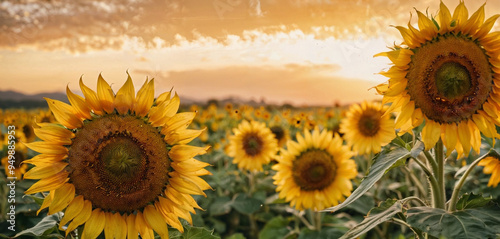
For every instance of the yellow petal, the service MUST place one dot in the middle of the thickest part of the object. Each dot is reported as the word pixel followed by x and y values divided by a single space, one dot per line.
pixel 82 110
pixel 105 95
pixel 444 18
pixel 74 208
pixel 95 224
pixel 156 221
pixel 125 97
pixel 131 228
pixel 178 121
pixel 145 98
pixel 64 114
pixel 464 135
pixel 405 114
pixel 163 97
pixel 486 27
pixel 81 217
pixel 121 224
pixel 474 22
pixel 182 136
pixel 431 133
pixel 186 185
pixel 110 226
pixel 162 205
pixel 450 137
pixel 45 171
pixel 45 159
pixel 142 226
pixel 50 183
pixel 54 133
pixel 460 15
pixel 46 202
pixel 408 37
pixel 426 26
pixel 62 197
pixel 475 136
pixel 91 98
pixel 47 147
pixel 184 152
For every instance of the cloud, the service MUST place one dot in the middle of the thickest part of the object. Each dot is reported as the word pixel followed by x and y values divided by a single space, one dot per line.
pixel 292 83
pixel 80 25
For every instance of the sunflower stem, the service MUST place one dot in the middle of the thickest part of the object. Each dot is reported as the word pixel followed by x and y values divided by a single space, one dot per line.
pixel 452 206
pixel 436 197
pixel 317 220
pixel 439 154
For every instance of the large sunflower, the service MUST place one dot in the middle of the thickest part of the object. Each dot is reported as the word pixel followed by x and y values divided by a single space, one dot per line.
pixel 491 166
pixel 118 162
pixel 252 145
pixel 446 73
pixel 366 128
pixel 315 172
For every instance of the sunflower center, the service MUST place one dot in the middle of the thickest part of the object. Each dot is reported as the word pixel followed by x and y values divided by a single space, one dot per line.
pixel 314 170
pixel 119 163
pixel 18 159
pixel 278 132
pixel 121 156
pixel 369 122
pixel 453 80
pixel 252 144
pixel 449 78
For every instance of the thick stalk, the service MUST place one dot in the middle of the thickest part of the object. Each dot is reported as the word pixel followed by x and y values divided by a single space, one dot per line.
pixel 439 154
pixel 436 196
pixel 317 220
pixel 458 186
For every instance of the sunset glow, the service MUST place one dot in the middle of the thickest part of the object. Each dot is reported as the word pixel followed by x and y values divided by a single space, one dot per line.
pixel 305 52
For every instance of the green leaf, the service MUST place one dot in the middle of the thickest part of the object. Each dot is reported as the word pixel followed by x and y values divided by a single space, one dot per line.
pixel 472 201
pixel 376 216
pixel 199 233
pixel 275 228
pixel 383 162
pixel 325 233
pixel 363 205
pixel 236 236
pixel 469 223
pixel 221 206
pixel 47 223
pixel 246 205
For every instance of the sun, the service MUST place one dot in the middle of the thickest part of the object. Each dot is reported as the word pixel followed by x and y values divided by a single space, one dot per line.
pixel 446 74
pixel 252 145
pixel 315 172
pixel 118 162
pixel 367 128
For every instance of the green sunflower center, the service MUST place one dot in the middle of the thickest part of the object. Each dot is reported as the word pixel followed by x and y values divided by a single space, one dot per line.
pixel 449 78
pixel 453 80
pixel 121 156
pixel 369 122
pixel 252 144
pixel 119 163
pixel 314 169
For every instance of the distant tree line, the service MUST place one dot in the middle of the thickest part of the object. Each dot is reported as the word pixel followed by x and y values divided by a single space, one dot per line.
pixel 25 104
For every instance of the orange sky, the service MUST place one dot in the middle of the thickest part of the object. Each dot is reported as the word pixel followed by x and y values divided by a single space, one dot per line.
pixel 296 51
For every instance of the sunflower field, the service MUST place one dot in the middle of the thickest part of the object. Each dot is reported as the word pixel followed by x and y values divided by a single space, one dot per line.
pixel 423 162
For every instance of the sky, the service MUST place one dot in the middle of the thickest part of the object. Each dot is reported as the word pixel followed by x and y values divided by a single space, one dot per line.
pixel 304 52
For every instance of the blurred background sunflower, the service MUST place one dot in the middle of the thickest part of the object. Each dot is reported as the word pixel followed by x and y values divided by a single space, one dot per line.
pixel 252 145
pixel 315 172
pixel 367 128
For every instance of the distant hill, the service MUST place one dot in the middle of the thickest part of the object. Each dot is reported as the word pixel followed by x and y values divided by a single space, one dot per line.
pixel 13 99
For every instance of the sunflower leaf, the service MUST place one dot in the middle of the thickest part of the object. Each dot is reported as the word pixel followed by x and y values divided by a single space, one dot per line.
pixel 472 201
pixel 469 223
pixel 383 162
pixel 385 211
pixel 46 224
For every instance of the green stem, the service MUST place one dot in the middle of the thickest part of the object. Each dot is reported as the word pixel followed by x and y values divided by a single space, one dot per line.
pixel 431 161
pixel 317 220
pixel 452 206
pixel 439 154
pixel 436 196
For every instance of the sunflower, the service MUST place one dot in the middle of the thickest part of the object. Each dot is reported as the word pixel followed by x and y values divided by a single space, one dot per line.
pixel 252 145
pixel 280 134
pixel 118 162
pixel 446 74
pixel 366 128
pixel 491 166
pixel 315 172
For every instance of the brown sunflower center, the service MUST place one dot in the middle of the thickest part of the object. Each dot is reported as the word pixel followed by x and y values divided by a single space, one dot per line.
pixel 18 159
pixel 449 78
pixel 119 163
pixel 279 133
pixel 314 170
pixel 252 144
pixel 369 122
